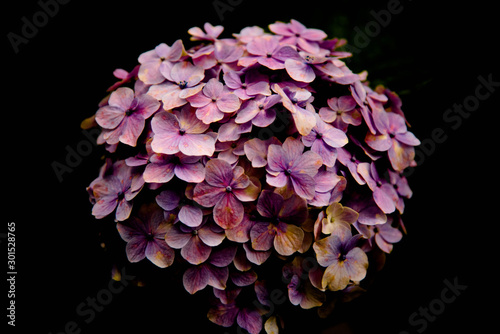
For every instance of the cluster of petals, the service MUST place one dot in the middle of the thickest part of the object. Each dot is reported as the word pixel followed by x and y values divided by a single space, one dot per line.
pixel 256 149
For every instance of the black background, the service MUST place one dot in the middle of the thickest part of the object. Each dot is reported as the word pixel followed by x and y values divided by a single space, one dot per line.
pixel 432 54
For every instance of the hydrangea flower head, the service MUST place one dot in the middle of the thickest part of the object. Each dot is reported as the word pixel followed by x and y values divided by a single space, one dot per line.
pixel 254 162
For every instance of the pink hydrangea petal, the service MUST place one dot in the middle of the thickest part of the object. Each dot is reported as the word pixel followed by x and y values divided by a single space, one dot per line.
pixel 278 180
pixel 109 117
pixel 299 70
pixel 386 198
pixel 127 233
pixel 132 129
pixel 199 100
pixel 313 34
pixel 197 144
pixel 231 131
pixel 170 96
pixel 304 120
pixel 218 173
pixel 280 28
pixel 240 233
pixel 228 212
pixel 400 155
pixel 104 206
pixel 158 173
pixel 276 160
pixel 335 137
pixel 123 210
pixel 149 72
pixel 207 195
pixel 194 173
pixel 243 278
pixel 378 142
pixel 228 102
pixel 209 113
pixel 408 138
pixel 189 122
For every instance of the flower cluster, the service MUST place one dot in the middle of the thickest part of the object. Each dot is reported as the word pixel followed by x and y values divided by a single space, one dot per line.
pixel 261 148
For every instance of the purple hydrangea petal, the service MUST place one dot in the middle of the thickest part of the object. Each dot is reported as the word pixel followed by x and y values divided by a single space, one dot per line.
pixel 195 278
pixel 262 236
pixel 223 257
pixel 191 215
pixel 218 173
pixel 356 264
pixel 303 185
pixel 177 239
pixel 256 257
pixel 210 236
pixel 307 163
pixel 168 200
pixel 250 320
pixel 386 198
pixel 158 252
pixel 270 204
pixel 327 250
pixel 223 314
pixel 327 153
pixel 136 249
pixel 195 251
